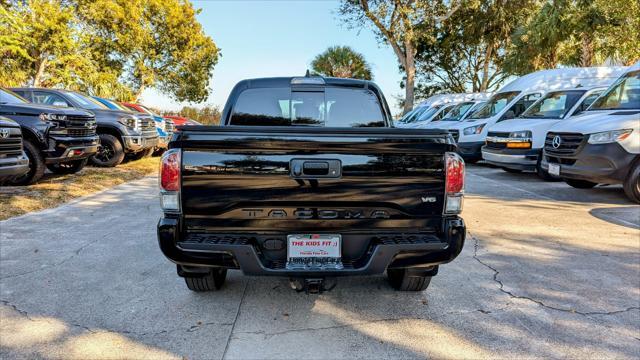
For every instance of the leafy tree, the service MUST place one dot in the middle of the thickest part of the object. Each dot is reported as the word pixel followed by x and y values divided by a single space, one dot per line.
pixel 38 38
pixel 151 43
pixel 465 51
pixel 576 33
pixel 343 62
pixel 401 24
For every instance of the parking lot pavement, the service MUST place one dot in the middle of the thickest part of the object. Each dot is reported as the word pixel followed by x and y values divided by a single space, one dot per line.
pixel 547 271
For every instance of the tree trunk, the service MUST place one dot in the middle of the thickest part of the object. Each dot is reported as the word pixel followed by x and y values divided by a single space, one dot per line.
pixel 586 56
pixel 410 69
pixel 485 68
pixel 40 67
pixel 138 94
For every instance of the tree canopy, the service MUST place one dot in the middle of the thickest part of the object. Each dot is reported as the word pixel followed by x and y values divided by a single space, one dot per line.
pixel 111 48
pixel 343 62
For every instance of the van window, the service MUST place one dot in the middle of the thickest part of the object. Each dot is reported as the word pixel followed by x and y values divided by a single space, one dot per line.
pixel 493 106
pixel 623 94
pixel 427 114
pixel 584 105
pixel 458 111
pixel 442 113
pixel 333 107
pixel 554 105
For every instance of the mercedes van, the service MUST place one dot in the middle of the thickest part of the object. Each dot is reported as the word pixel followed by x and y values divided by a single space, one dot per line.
pixel 516 145
pixel 601 146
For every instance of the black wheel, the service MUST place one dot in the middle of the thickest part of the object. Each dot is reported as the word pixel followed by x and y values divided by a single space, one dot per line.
pixel 68 167
pixel 471 160
pixel 513 171
pixel 36 165
pixel 141 154
pixel 544 175
pixel 110 152
pixel 209 282
pixel 580 184
pixel 405 280
pixel 632 183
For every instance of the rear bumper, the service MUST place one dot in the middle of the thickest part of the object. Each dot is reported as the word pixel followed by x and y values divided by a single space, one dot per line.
pixel 526 160
pixel 13 166
pixel 598 163
pixel 241 250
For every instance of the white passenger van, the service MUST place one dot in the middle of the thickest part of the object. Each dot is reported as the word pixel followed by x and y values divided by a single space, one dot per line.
pixel 601 146
pixel 509 102
pixel 516 145
pixel 440 108
pixel 435 106
pixel 457 113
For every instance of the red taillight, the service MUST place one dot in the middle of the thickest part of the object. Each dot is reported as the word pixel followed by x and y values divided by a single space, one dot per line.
pixel 170 171
pixel 455 173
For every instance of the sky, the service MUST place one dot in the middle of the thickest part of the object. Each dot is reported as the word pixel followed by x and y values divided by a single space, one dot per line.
pixel 280 38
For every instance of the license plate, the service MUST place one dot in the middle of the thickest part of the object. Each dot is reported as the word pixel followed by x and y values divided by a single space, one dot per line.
pixel 554 169
pixel 314 250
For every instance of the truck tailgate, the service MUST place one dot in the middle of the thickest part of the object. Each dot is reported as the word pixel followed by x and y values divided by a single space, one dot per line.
pixel 317 179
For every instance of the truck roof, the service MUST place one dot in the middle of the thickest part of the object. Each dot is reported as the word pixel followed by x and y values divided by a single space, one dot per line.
pixel 286 81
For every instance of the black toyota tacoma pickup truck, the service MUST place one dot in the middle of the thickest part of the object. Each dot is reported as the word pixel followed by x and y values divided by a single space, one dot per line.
pixel 59 139
pixel 307 179
pixel 121 132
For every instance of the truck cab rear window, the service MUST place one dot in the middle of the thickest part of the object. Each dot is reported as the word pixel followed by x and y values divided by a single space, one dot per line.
pixel 333 107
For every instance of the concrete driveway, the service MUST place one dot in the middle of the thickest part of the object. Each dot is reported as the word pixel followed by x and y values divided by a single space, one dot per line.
pixel 547 271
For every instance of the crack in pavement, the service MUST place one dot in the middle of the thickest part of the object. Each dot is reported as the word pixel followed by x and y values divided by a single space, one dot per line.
pixel 63 261
pixel 512 295
pixel 190 329
pixel 235 320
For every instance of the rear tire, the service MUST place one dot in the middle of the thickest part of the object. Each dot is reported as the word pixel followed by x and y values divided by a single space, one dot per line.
pixel 209 282
pixel 68 167
pixel 110 152
pixel 580 184
pixel 404 280
pixel 36 165
pixel 632 183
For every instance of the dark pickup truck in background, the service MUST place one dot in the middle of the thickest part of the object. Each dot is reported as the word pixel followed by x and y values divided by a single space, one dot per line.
pixel 56 138
pixel 121 132
pixel 13 161
pixel 308 180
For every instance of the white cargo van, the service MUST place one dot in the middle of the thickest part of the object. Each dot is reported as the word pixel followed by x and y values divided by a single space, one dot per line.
pixel 516 145
pixel 509 102
pixel 601 146
pixel 434 107
pixel 441 108
pixel 457 113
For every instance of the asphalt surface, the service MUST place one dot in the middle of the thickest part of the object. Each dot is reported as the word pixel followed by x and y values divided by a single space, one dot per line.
pixel 547 271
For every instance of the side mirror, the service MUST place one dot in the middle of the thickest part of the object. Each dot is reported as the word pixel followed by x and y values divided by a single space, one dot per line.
pixel 60 104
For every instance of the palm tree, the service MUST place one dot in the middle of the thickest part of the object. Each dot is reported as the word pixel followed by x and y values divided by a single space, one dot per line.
pixel 343 62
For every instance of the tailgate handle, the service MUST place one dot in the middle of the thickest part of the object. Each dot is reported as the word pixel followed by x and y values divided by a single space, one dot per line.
pixel 315 169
